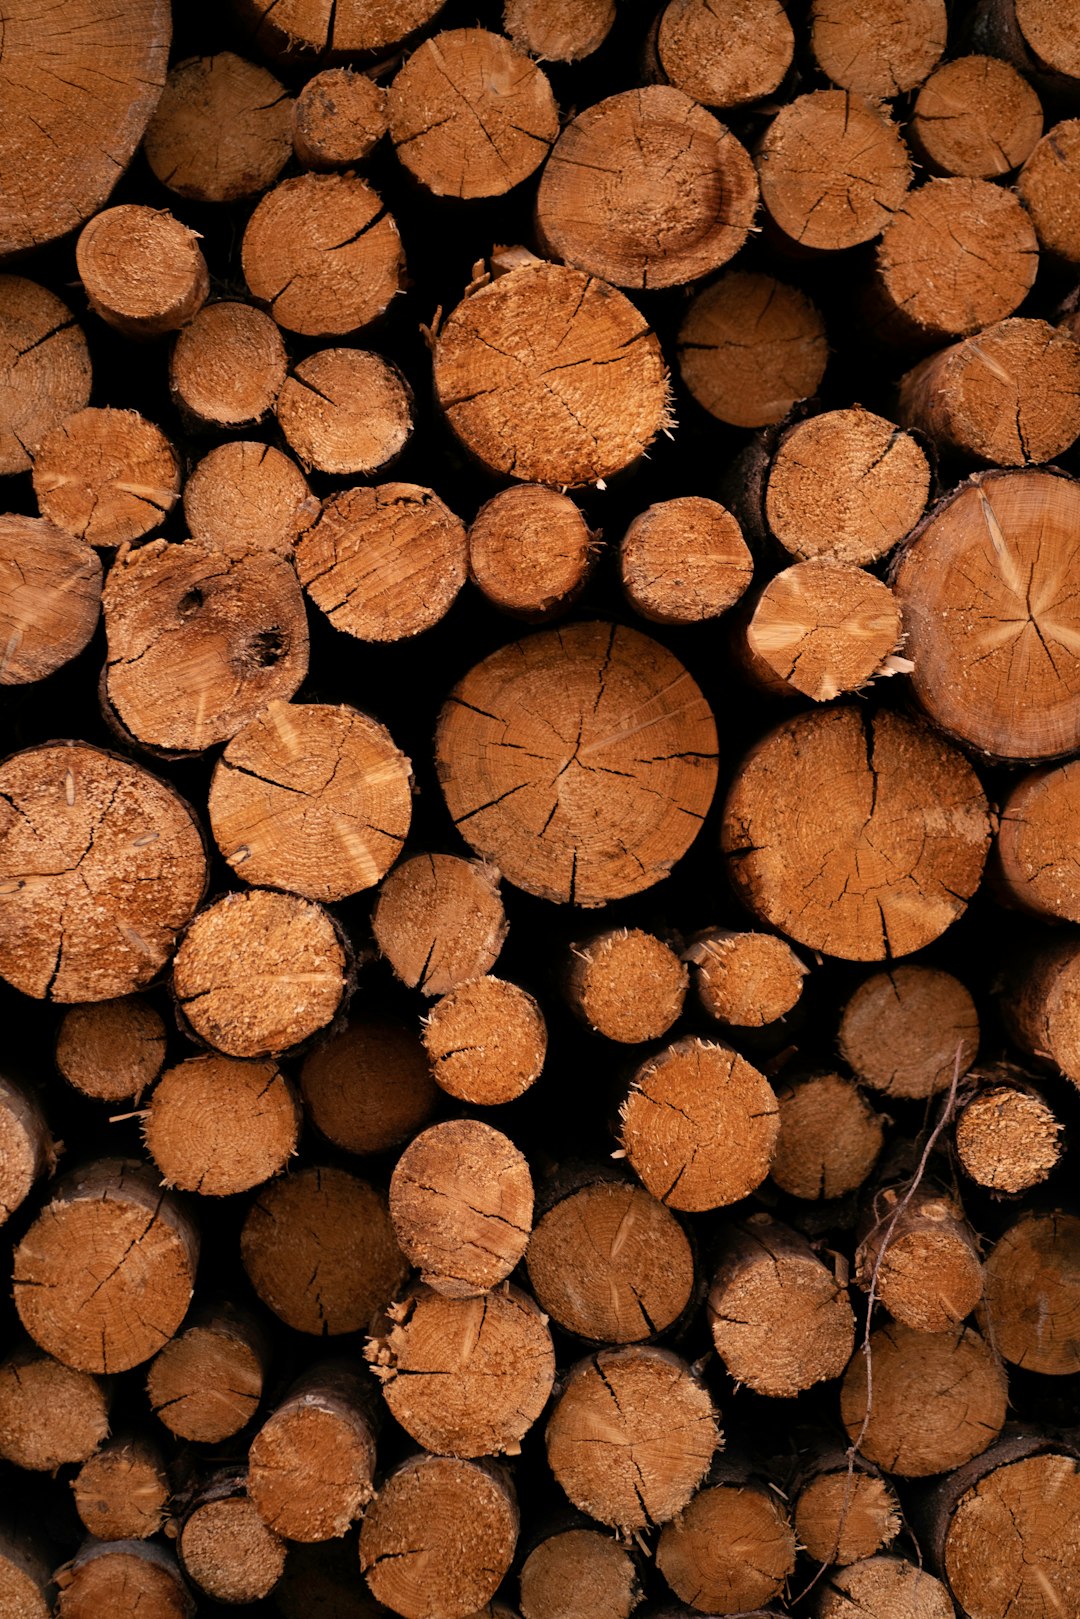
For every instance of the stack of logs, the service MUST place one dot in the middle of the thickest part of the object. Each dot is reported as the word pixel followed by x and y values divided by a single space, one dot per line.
pixel 466 465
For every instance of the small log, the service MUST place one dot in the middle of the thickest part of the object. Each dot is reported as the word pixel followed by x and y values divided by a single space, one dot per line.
pixel 600 817
pixel 106 476
pixel 439 921
pixel 821 629
pixel 732 1547
pixel 461 1200
pixel 111 1050
pixel 631 1437
pixel 939 1399
pixel 439 1537
pixel 120 1577
pixel 228 365
pixel 975 117
pixel 50 1414
pixel 141 270
pixel 626 984
pixel 920 1256
pixel 579 1574
pixel 830 1137
pixel 745 980
pixel 222 129
pixel 345 411
pixel 1031 1308
pixel 206 1383
pixel 750 347
pixel 884 57
pixel 303 29
pixel 323 254
pixel 225 1548
pixel 121 1492
pixel 384 561
pixel 486 1042
pixel 725 53
pixel 558 30
pixel 646 189
pixel 699 1125
pixel 369 1087
pixel 1008 1138
pixel 1040 1006
pixel 465 1377
pixel 44 369
pixel 26 1584
pixel 218 1126
pixel 906 1032
pixel 320 1251
pixel 313 798
pixel 549 376
pixel 1035 37
pixel 843 1513
pixel 1034 861
pixel 26 1148
pixel 1047 186
pixel 311 1464
pixel 246 496
pixel 530 551
pixel 887 1586
pixel 82 830
pixel 684 560
pixel 337 119
pixel 259 973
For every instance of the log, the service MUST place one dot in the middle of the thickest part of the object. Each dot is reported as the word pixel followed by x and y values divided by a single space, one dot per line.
pixel 889 1586
pixel 106 476
pixel 121 1492
pixel 842 1513
pixel 227 366
pixel 439 1537
pixel 1033 860
pixel 439 921
pixel 345 411
pixel 725 53
pixel 311 1464
pixel 111 1050
pixel 120 1576
pixel 626 984
pixel 206 1383
pixel 906 1032
pixel 320 1251
pixel 323 254
pixel 867 871
pixel 567 829
pixel 745 980
pixel 609 395
pixel 975 117
pixel 1047 187
pixel 384 561
pixel 884 56
pixel 822 629
pixel 699 1125
pixel 313 798
pixel 465 1376
pixel 920 1256
pixel 751 347
pixel 684 560
pixel 50 1414
pixel 1035 37
pixel 300 29
pixel 222 129
pixel 558 30
pixel 486 1042
pixel 337 119
pixel 26 1148
pixel 578 1574
pixel 246 496
pixel 105 1274
pixel 646 189
pixel 218 1126
pixel 1031 1306
pixel 530 551
pixel 225 1548
pixel 1007 1136
pixel 731 1548
pixel 461 1202
pixel 829 1140
pixel 100 831
pixel 1039 1006
pixel 141 270
pixel 45 369
pixel 368 1087
pixel 938 1399
pixel 631 1437
pixel 259 973
pixel 26 1585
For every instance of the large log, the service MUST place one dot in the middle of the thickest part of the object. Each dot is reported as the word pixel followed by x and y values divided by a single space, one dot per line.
pixel 880 56
pixel 245 496
pixel 120 1576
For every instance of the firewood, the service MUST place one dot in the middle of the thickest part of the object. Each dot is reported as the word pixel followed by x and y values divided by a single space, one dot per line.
pixel 975 117
pixel 439 1537
pixel 842 1513
pixel 1035 36
pixel 107 476
pixel 890 1587
pixel 486 1042
pixel 111 1050
pixel 746 980
pixel 120 1576
pixel 821 629
pixel 938 1399
pixel 141 270
pixel 369 1086
pixel 245 496
pixel 750 347
pixel 104 1276
pixel 591 416
pixel 26 1586
pixel 578 1574
pixel 121 1492
pixel 338 117
pixel 218 1126
pixel 439 921
pixel 312 798
pixel 1033 858
pixel 26 1149
pixel 465 1377
pixel 1040 1006
pixel 461 1201
pixel 1008 1138
pixel 50 1413
pixel 646 189
pixel 1032 1276
pixel 631 1437
pixel 530 551
pixel 345 411
pixel 699 1125
pixel 732 1547
pixel 321 1252
pixel 323 254
pixel 606 815
pixel 626 984
pixel 301 29
pixel 725 53
pixel 920 1255
pixel 558 30
pixel 1047 187
pixel 228 365
pixel 222 129
pixel 225 1548
pixel 384 561
pixel 98 826
pixel 311 1464
pixel 44 368
pixel 883 57
pixel 907 1031
pixel 206 1383
pixel 684 560
pixel 830 1137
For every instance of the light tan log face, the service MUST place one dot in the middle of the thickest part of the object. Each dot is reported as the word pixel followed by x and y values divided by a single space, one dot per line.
pixel 44 368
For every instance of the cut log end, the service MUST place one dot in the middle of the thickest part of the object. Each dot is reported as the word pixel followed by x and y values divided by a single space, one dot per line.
pixel 1016 1520
pixel 222 129
pixel 1034 853
pixel 1008 1138
pixel 883 57
pixel 822 629
pixel 908 1031
pixel 842 1517
pixel 1032 1276
pixel 44 369
pixel 558 30
pixel 731 1547
pixel 302 30
pixel 228 366
pixel 439 921
pixel 626 984
pixel 886 1585
pixel 725 53
pixel 122 1492
pixel 486 1042
pixel 975 117
pixel 530 551
pixel 921 1257
pixel 829 1140
pixel 745 980
pixel 113 1050
pixel 369 1087
pixel 106 476
pixel 575 1572
pixel 338 117
pixel 206 1383
pixel 345 411
pixel 228 1552
pixel 142 270
pixel 311 1465
pixel 26 1587
pixel 50 1414
pixel 26 1149
pixel 684 560
pixel 750 347
pixel 1047 185
pixel 120 1576
pixel 217 1126
pixel 245 496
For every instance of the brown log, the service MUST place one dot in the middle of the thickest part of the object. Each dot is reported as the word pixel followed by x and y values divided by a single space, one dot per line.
pixel 384 561
pixel 883 56
pixel 313 798
pixel 222 129
pixel 225 1548
pixel 1036 37
pixel 1034 861
pixel 558 30
pixel 26 1149
pixel 1040 1008
pixel 141 270
pixel 1047 186
pixel 206 1383
pixel 486 1042
pixel 646 189
pixel 120 1576
pixel 631 1437
pixel 890 1587
pixel 26 1585
pixel 104 1276
pixel 976 117
pixel 593 415
pixel 44 369
pixel 1031 1306
pixel 821 629
pixel 461 1200
pixel 843 1513
pixel 218 1126
pixel 938 1399
pixel 228 365
pixel 50 1414
pixel 111 1050
pixel 106 476
pixel 731 1548
pixel 311 1464
pixel 121 1493
pixel 465 1377
pixel 101 832
pixel 869 869
pixel 699 1125
pixel 750 347
pixel 530 551
pixel 368 1087
pixel 746 980
pixel 246 496
pixel 920 1256
pixel 345 411
pixel 439 921
pixel 684 560
pixel 321 1252
pixel 300 29
pixel 626 984
pixel 1008 1138
pixel 337 118
pixel 725 53
pixel 906 1032
pixel 439 1537
pixel 830 1137
pixel 323 254
pixel 606 815
pixel 578 1574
